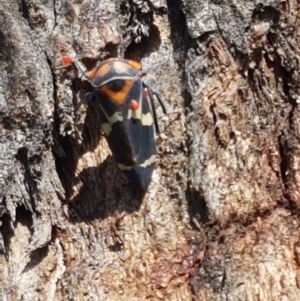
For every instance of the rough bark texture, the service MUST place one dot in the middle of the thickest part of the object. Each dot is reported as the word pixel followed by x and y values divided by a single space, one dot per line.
pixel 220 220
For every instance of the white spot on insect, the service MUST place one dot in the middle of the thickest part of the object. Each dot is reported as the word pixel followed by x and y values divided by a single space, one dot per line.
pixel 147 119
pixel 117 116
pixel 106 128
pixel 147 163
pixel 124 167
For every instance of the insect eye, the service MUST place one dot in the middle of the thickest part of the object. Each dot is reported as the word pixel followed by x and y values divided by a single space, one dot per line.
pixel 116 85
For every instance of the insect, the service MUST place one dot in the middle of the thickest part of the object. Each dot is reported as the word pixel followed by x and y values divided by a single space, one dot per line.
pixel 125 104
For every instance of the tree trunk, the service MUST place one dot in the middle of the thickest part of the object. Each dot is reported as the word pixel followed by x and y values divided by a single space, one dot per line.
pixel 220 219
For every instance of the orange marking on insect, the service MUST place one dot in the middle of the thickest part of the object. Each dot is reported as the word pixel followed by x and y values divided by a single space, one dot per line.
pixel 92 73
pixel 67 60
pixel 118 96
pixel 121 66
pixel 134 105
pixel 135 64
pixel 101 71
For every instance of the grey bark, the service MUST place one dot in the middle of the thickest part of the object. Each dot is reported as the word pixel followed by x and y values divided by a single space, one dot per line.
pixel 220 220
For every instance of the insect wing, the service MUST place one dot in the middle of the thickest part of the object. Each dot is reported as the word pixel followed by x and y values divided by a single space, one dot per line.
pixel 130 133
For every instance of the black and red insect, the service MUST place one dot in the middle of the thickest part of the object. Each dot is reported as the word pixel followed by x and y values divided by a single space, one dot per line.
pixel 125 103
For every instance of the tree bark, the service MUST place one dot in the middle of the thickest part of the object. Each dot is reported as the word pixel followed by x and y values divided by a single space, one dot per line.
pixel 220 220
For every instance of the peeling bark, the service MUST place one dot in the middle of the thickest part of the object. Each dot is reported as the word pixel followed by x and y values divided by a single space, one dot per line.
pixel 220 219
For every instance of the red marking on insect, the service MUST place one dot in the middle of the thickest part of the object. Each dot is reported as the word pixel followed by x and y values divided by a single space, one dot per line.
pixel 67 60
pixel 146 91
pixel 134 105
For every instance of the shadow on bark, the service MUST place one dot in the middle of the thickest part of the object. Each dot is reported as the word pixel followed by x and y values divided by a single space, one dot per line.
pixel 99 191
pixel 197 207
